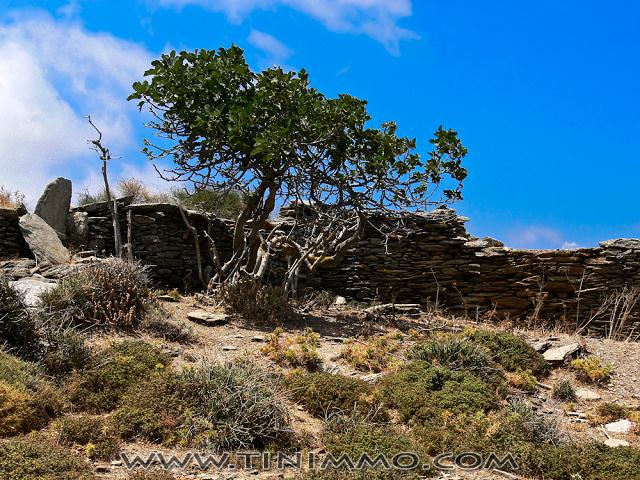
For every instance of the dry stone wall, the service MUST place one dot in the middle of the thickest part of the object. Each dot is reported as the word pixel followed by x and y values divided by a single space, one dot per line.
pixel 433 260
pixel 160 238
pixel 437 261
pixel 12 244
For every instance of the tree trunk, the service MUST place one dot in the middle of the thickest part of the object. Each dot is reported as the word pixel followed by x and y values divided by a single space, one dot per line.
pixel 113 208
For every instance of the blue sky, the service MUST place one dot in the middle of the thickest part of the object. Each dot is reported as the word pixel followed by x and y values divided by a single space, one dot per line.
pixel 544 94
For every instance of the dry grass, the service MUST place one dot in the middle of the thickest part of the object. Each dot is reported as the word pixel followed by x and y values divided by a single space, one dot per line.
pixel 373 355
pixel 293 349
pixel 9 199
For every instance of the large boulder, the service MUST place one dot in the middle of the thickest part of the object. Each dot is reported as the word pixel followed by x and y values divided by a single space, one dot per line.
pixel 54 203
pixel 43 240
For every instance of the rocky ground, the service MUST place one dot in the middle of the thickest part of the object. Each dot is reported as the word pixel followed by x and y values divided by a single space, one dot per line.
pixel 221 337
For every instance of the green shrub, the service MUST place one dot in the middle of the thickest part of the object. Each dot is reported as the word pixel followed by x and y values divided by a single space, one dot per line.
pixel 27 400
pixel 563 390
pixel 354 436
pixel 64 350
pixel 510 351
pixel 324 395
pixel 257 303
pixel 227 205
pixel 568 462
pixel 36 457
pixel 99 439
pixel 110 294
pixel 607 412
pixel 455 354
pixel 422 393
pixel 212 406
pixel 591 370
pixel 100 387
pixel 293 349
pixel 18 330
pixel 372 355
pixel 522 380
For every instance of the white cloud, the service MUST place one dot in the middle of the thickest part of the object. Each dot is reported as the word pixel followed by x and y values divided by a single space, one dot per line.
pixel 376 18
pixel 53 72
pixel 276 52
pixel 569 246
pixel 535 236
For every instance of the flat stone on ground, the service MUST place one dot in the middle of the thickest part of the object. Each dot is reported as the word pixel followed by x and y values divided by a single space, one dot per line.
pixel 615 442
pixel 621 426
pixel 166 298
pixel 585 394
pixel 207 318
pixel 558 356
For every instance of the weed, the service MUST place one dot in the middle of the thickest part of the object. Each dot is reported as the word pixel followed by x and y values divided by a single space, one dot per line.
pixel 455 354
pixel 563 390
pixel 355 435
pixel 18 330
pixel 99 440
pixel 64 350
pixel 510 351
pixel 324 395
pixel 422 392
pixel 212 406
pixel 591 370
pixel 373 355
pixel 522 380
pixel 257 303
pixel 293 349
pixel 173 293
pixel 110 294
pixel 36 457
pixel 9 199
pixel 27 400
pixel 607 412
pixel 113 371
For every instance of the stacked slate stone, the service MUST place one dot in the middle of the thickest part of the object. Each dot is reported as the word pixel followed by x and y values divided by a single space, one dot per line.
pixel 12 244
pixel 161 239
pixel 432 259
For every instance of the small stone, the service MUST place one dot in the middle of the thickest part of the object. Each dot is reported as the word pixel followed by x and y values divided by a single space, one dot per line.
pixel 229 348
pixel 372 377
pixel 257 338
pixel 577 415
pixel 621 426
pixel 331 368
pixel 615 442
pixel 166 298
pixel 102 468
pixel 585 394
pixel 340 300
pixel 558 356
pixel 116 463
pixel 207 318
pixel 336 339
